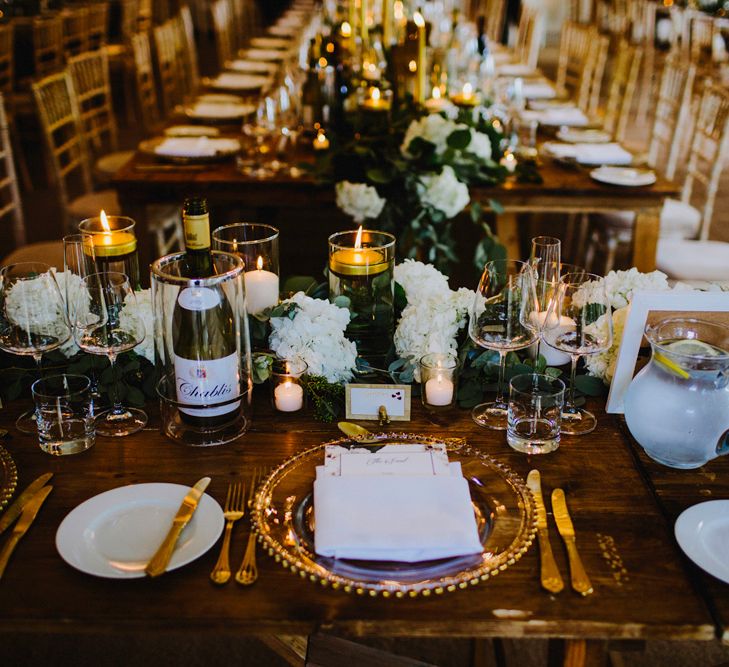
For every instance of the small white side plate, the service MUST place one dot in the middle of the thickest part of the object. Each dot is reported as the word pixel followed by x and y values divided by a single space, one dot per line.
pixel 114 534
pixel 702 532
pixel 575 135
pixel 626 176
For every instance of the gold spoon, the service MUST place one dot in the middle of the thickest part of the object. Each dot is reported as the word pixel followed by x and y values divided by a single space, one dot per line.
pixel 360 433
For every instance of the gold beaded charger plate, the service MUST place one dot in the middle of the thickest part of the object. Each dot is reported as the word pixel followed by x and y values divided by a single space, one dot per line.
pixel 283 517
pixel 8 477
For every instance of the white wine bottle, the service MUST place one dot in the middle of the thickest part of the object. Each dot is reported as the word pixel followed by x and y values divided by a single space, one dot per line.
pixel 207 371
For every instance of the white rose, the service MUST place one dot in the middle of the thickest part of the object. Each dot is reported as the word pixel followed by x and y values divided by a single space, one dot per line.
pixel 359 200
pixel 433 128
pixel 480 145
pixel 444 192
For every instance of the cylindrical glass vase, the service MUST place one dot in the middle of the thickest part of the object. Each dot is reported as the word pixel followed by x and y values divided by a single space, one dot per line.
pixel 111 243
pixel 202 351
pixel 361 279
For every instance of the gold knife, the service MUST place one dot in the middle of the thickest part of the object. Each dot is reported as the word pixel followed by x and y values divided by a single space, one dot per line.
pixel 580 581
pixel 26 518
pixel 158 563
pixel 550 576
pixel 13 512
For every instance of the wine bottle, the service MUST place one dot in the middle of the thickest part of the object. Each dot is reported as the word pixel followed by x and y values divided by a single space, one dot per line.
pixel 311 94
pixel 204 332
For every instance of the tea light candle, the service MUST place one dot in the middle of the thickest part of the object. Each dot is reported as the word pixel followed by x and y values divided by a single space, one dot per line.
pixel 439 391
pixel 288 397
pixel 374 101
pixel 358 261
pixel 437 102
pixel 321 143
pixel 261 289
pixel 509 161
pixel 466 98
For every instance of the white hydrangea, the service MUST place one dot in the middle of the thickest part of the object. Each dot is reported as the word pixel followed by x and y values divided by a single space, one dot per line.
pixel 359 200
pixel 316 336
pixel 433 128
pixel 620 285
pixel 444 192
pixel 480 145
pixel 133 314
pixel 27 307
pixel 434 314
pixel 602 365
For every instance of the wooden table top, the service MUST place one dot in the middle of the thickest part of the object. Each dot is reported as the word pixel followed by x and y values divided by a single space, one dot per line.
pixel 642 589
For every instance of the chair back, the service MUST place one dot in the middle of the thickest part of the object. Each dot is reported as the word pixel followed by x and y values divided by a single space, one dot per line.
pixel 97 22
pixel 75 31
pixel 594 73
pixel 168 69
pixel 60 122
pixel 529 35
pixel 222 20
pixel 626 69
pixel 146 86
pixel 144 15
pixel 573 73
pixel 672 110
pixel 128 22
pixel 91 83
pixel 186 50
pixel 47 46
pixel 495 15
pixel 701 38
pixel 10 205
pixel 7 59
pixel 708 154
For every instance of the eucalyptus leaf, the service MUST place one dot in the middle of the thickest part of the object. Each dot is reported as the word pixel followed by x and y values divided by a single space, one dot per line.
pixel 589 385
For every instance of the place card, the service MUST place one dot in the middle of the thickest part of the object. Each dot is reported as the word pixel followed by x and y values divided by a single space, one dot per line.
pixel 365 400
pixel 411 460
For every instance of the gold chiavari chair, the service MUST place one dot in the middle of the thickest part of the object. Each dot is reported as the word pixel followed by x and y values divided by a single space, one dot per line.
pixel 75 31
pixel 495 14
pixel 595 71
pixel 48 54
pixel 698 258
pixel 144 15
pixel 7 59
pixel 168 69
pixel 62 129
pixel 92 85
pixel 220 14
pixel 97 22
pixel 581 64
pixel 701 39
pixel 619 106
pixel 529 36
pixel 146 89
pixel 186 50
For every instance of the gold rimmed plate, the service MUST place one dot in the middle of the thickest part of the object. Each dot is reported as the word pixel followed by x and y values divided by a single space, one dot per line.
pixel 8 477
pixel 283 516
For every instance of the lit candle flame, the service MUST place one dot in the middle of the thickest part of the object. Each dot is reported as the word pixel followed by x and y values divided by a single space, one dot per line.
pixel 346 29
pixel 358 240
pixel 259 263
pixel 321 137
pixel 436 93
pixel 104 221
pixel 375 94
pixel 398 10
pixel 413 66
pixel 419 20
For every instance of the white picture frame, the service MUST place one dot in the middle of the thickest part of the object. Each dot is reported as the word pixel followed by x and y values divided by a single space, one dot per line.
pixel 643 303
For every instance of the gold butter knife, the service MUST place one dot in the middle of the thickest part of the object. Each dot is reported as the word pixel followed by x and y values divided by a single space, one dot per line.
pixel 13 512
pixel 550 576
pixel 580 580
pixel 158 563
pixel 26 518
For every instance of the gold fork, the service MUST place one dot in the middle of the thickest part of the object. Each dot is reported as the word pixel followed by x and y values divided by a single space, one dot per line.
pixel 234 510
pixel 248 572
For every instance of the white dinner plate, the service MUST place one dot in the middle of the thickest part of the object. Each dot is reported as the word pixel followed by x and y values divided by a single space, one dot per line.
pixel 267 55
pixel 575 135
pixel 219 98
pixel 628 176
pixel 213 111
pixel 114 534
pixel 277 43
pixel 702 532
pixel 251 66
pixel 238 81
pixel 191 131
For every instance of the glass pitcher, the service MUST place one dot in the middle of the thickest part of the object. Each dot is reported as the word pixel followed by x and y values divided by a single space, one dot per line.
pixel 677 407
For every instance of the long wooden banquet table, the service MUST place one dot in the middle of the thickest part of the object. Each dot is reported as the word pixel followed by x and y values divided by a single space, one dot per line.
pixel 306 213
pixel 621 504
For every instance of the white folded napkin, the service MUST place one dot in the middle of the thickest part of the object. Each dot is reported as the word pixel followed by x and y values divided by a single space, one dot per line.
pixel 236 80
pixel 611 153
pixel 538 90
pixel 394 518
pixel 571 116
pixel 280 43
pixel 196 146
pixel 214 110
pixel 263 54
pixel 251 66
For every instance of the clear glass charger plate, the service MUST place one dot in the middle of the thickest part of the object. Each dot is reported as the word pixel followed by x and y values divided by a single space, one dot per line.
pixel 8 477
pixel 283 517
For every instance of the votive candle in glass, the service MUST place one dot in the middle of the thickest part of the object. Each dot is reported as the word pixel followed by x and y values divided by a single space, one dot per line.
pixel 361 279
pixel 287 393
pixel 112 244
pixel 439 380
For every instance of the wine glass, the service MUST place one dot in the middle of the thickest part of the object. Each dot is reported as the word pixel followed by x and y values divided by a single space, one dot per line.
pixel 545 260
pixel 503 318
pixel 579 323
pixel 79 261
pixel 105 322
pixel 33 317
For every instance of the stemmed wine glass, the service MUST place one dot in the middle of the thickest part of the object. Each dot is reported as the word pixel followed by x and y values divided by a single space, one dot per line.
pixel 579 323
pixel 503 318
pixel 33 317
pixel 105 322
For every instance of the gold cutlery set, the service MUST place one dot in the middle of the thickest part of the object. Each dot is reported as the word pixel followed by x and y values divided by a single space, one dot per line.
pixel 26 506
pixel 550 576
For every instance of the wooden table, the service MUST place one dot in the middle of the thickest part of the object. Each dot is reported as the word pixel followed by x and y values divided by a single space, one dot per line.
pixel 642 589
pixel 306 213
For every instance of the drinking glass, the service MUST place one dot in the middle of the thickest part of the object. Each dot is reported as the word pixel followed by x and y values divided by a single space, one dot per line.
pixel 33 318
pixel 105 322
pixel 535 413
pixel 503 318
pixel 579 323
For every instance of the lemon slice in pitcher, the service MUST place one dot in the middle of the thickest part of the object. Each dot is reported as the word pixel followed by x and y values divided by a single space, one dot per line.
pixel 690 347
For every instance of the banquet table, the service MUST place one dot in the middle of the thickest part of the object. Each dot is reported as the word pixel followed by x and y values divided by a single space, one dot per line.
pixel 621 507
pixel 306 213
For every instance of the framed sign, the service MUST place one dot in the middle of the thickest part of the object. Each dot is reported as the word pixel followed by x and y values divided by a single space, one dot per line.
pixel 364 401
pixel 648 308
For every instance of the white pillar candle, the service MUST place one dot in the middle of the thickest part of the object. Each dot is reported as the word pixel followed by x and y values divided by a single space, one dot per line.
pixel 261 289
pixel 288 396
pixel 555 357
pixel 439 391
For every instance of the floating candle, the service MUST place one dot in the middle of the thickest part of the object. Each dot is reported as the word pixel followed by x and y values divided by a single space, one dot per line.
pixel 358 261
